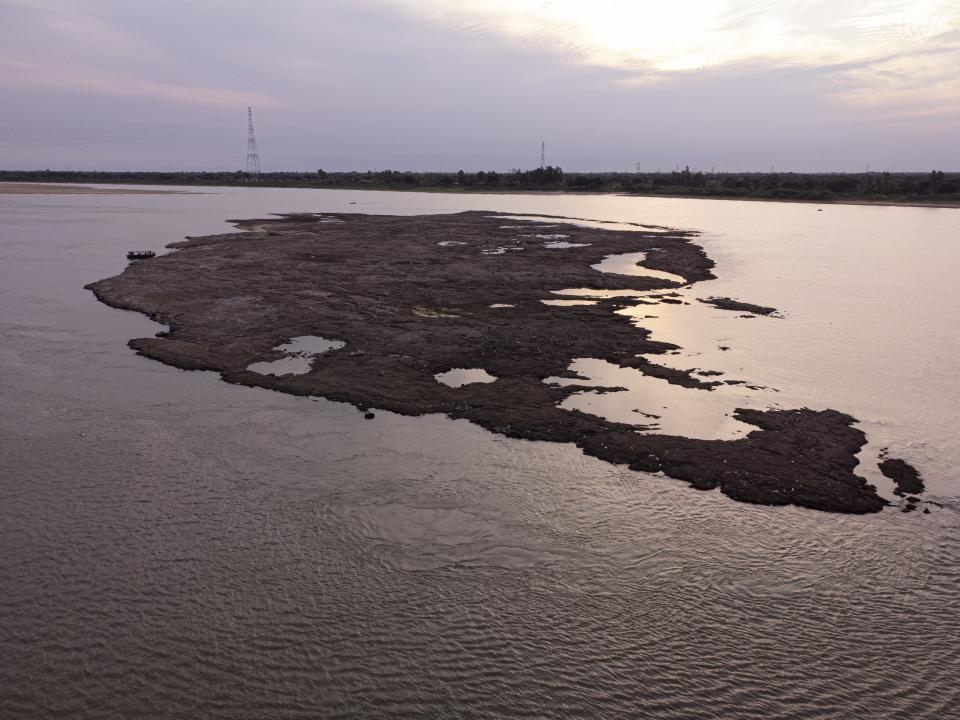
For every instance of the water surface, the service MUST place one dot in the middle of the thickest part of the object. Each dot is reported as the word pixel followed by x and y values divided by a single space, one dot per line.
pixel 458 377
pixel 174 546
pixel 300 352
pixel 655 405
pixel 632 264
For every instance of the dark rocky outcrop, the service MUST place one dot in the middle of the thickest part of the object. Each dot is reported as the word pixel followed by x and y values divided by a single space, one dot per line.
pixel 409 308
pixel 904 475
pixel 725 303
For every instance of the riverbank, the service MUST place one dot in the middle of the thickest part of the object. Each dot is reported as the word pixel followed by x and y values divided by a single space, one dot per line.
pixel 412 298
pixel 65 189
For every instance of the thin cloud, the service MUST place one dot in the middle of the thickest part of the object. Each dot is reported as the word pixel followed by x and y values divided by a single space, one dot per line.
pixel 686 35
pixel 118 84
pixel 435 84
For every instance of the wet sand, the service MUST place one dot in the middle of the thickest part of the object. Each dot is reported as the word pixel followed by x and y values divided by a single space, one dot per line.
pixel 409 309
pixel 42 189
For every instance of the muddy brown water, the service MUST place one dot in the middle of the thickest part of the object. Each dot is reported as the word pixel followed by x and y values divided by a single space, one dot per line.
pixel 174 546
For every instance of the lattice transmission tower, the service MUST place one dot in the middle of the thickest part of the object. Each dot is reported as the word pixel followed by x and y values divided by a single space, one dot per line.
pixel 253 159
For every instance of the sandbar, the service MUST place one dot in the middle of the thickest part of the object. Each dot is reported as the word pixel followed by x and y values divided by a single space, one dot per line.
pixel 409 308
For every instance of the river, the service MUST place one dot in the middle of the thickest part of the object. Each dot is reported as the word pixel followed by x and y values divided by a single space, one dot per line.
pixel 177 547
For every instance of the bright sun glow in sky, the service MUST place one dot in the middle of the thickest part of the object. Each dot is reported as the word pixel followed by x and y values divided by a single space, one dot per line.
pixel 684 35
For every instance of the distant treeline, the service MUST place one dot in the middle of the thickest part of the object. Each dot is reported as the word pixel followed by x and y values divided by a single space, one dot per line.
pixel 935 186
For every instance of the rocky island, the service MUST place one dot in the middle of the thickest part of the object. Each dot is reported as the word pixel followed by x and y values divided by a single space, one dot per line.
pixel 396 302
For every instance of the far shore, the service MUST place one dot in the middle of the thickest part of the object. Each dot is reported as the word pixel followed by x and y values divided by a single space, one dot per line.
pixel 947 204
pixel 68 188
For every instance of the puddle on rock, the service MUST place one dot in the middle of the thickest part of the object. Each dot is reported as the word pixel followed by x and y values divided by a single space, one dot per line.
pixel 655 404
pixel 568 303
pixel 458 377
pixel 526 227
pixel 631 264
pixel 597 293
pixel 562 245
pixel 310 345
pixel 448 243
pixel 709 338
pixel 300 350
pixel 428 312
pixel 284 366
pixel 319 217
pixel 580 222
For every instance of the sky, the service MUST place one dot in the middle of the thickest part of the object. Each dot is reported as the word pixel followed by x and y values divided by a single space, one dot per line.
pixel 733 85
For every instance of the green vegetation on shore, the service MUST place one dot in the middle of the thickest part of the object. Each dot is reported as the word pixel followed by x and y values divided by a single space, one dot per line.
pixel 936 187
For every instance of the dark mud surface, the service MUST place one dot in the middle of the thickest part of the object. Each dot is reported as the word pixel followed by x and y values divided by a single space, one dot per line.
pixel 408 309
pixel 725 303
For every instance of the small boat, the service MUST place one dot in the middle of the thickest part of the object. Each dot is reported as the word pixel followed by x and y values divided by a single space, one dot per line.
pixel 140 254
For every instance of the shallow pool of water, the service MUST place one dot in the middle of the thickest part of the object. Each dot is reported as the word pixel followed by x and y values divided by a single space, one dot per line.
pixel 601 293
pixel 283 366
pixel 658 406
pixel 310 345
pixel 583 222
pixel 458 377
pixel 300 353
pixel 561 245
pixel 546 236
pixel 568 303
pixel 632 264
